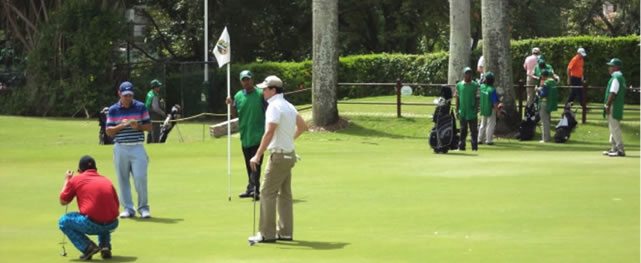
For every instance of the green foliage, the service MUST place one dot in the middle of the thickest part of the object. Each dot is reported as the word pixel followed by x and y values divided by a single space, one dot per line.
pixel 432 68
pixel 68 69
pixel 559 51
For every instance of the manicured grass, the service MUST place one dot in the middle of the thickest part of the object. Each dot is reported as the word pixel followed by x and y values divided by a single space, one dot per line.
pixel 374 192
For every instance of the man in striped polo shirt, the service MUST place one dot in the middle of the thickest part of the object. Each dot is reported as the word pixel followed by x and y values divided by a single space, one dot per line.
pixel 127 121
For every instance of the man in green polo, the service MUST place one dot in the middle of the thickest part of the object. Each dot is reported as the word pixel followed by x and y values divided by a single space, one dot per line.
pixel 548 102
pixel 250 108
pixel 614 95
pixel 156 113
pixel 465 95
pixel 489 101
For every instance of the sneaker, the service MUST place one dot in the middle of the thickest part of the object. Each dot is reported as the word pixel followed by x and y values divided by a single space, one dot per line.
pixel 617 154
pixel 126 214
pixel 105 253
pixel 91 250
pixel 258 238
pixel 145 214
pixel 607 153
pixel 284 238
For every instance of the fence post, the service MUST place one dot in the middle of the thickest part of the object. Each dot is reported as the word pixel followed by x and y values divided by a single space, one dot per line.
pixel 584 102
pixel 521 88
pixel 398 98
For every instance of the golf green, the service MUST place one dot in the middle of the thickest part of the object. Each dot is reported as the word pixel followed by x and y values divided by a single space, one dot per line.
pixel 373 192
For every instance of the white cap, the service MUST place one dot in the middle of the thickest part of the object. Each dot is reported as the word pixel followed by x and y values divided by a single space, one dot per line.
pixel 582 52
pixel 536 50
pixel 271 81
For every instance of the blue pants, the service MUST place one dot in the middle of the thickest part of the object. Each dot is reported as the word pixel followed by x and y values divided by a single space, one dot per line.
pixel 77 226
pixel 131 160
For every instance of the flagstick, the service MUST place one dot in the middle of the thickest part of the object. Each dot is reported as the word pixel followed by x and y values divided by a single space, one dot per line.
pixel 228 138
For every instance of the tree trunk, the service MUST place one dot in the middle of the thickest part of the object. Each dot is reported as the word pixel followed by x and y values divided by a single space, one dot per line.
pixel 498 59
pixel 325 61
pixel 459 40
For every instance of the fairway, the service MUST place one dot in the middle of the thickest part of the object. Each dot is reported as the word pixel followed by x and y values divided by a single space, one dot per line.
pixel 373 192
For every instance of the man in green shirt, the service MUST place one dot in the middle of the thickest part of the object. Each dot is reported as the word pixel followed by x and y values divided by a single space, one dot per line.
pixel 465 95
pixel 548 102
pixel 614 95
pixel 250 108
pixel 489 100
pixel 156 113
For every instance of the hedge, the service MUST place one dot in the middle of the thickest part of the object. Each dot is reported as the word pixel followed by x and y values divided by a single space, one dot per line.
pixel 432 68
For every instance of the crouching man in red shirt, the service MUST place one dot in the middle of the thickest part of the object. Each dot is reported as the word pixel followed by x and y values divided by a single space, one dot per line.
pixel 98 204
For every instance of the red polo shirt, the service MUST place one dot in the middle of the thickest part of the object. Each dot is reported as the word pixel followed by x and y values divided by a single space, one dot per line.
pixel 97 197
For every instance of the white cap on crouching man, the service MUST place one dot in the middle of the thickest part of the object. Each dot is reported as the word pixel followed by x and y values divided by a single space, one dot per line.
pixel 271 81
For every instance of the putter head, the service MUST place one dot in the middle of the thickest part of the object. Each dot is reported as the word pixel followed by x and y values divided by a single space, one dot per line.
pixel 64 254
pixel 251 243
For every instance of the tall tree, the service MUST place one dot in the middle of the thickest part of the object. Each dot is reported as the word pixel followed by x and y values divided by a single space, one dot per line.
pixel 325 61
pixel 459 39
pixel 498 58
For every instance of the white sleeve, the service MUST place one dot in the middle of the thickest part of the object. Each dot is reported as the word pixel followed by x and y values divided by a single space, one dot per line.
pixel 480 62
pixel 614 87
pixel 272 115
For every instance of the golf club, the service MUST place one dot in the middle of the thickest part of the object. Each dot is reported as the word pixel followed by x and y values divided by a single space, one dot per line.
pixel 251 243
pixel 63 242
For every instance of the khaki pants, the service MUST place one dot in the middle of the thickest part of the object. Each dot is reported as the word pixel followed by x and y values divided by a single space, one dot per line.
pixel 616 139
pixel 486 131
pixel 531 84
pixel 276 193
pixel 545 121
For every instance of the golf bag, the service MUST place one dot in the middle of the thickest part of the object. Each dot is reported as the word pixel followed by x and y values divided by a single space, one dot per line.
pixel 444 136
pixel 168 125
pixel 103 138
pixel 566 125
pixel 529 122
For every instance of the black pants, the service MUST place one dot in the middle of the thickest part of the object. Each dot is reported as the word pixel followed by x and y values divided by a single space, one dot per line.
pixel 253 176
pixel 576 92
pixel 154 135
pixel 474 130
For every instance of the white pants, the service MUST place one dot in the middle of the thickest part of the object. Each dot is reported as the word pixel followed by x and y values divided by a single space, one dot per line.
pixel 616 138
pixel 486 131
pixel 545 121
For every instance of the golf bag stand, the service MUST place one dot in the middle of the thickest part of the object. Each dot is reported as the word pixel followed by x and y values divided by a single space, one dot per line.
pixel 169 123
pixel 103 138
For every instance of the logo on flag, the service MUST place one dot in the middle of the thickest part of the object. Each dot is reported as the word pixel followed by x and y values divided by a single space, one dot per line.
pixel 222 50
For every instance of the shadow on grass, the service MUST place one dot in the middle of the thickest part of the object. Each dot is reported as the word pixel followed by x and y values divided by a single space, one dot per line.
pixel 159 220
pixel 296 201
pixel 358 130
pixel 115 258
pixel 317 245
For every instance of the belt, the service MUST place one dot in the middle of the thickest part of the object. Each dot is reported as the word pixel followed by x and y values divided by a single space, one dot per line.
pixel 281 151
pixel 129 143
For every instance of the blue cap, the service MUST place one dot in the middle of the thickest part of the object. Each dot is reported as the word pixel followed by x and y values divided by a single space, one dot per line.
pixel 126 88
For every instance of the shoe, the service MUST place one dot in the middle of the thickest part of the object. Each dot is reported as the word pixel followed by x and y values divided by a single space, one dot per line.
pixel 616 154
pixel 284 238
pixel 105 253
pixel 258 238
pixel 607 153
pixel 257 198
pixel 460 149
pixel 542 141
pixel 490 143
pixel 246 195
pixel 480 143
pixel 145 214
pixel 126 214
pixel 91 250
